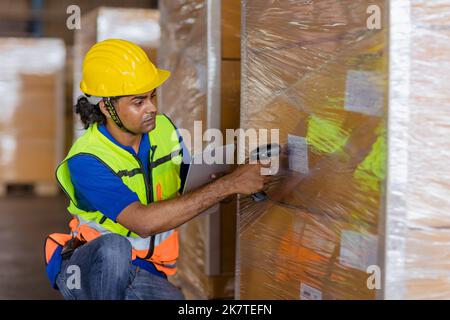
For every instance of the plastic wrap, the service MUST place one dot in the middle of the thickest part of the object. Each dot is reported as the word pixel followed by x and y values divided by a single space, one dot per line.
pixel 359 207
pixel 200 45
pixel 417 253
pixel 313 70
pixel 32 117
pixel 183 52
pixel 140 26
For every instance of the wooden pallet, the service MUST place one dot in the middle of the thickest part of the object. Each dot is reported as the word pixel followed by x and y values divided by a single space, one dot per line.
pixel 40 189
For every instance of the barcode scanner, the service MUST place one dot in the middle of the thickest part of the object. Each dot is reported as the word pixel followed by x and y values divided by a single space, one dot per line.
pixel 261 153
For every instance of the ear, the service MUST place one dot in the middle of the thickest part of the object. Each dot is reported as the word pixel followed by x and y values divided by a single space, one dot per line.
pixel 103 109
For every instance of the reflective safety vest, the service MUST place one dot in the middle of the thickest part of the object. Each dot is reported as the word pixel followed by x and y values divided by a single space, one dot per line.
pixel 163 182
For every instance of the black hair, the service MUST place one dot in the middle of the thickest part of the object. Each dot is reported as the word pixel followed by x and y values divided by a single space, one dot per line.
pixel 90 113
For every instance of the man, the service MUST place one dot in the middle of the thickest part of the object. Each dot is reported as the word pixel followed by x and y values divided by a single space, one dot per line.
pixel 123 178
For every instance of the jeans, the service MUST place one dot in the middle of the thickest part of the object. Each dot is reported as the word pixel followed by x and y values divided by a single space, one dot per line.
pixel 102 270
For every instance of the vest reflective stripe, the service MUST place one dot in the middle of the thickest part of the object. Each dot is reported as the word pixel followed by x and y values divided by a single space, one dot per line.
pixel 162 183
pixel 165 251
pixel 130 173
pixel 165 158
pixel 165 244
pixel 137 243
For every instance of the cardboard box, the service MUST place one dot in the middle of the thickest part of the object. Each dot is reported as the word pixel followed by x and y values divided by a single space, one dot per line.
pixel 231 30
pixel 426 267
pixel 32 121
pixel 320 78
pixel 418 191
pixel 184 98
pixel 293 254
pixel 329 99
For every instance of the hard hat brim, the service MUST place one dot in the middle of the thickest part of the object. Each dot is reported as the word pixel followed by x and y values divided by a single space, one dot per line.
pixel 163 75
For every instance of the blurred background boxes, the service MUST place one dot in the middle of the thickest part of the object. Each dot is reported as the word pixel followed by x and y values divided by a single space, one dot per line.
pixel 32 120
pixel 13 22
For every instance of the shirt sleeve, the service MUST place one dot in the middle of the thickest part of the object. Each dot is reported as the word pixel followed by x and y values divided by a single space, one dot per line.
pixel 98 188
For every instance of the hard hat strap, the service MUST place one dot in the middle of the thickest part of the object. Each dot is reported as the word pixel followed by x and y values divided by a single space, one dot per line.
pixel 114 116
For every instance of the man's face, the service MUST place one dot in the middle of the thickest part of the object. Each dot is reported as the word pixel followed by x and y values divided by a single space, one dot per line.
pixel 138 112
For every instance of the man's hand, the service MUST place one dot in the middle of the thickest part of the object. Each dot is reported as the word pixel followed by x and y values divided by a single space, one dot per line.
pixel 247 178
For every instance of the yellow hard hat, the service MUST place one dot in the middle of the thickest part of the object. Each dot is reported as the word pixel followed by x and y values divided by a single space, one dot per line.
pixel 116 67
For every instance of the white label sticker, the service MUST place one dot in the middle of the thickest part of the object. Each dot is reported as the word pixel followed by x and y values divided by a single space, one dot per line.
pixel 318 241
pixel 309 293
pixel 364 92
pixel 358 250
pixel 298 153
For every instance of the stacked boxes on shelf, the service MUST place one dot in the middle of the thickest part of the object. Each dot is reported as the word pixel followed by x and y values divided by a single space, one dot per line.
pixel 32 121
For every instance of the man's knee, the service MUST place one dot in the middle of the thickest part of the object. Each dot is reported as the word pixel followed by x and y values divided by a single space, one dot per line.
pixel 113 248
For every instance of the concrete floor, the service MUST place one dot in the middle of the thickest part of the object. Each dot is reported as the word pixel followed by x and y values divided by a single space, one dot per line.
pixel 25 221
